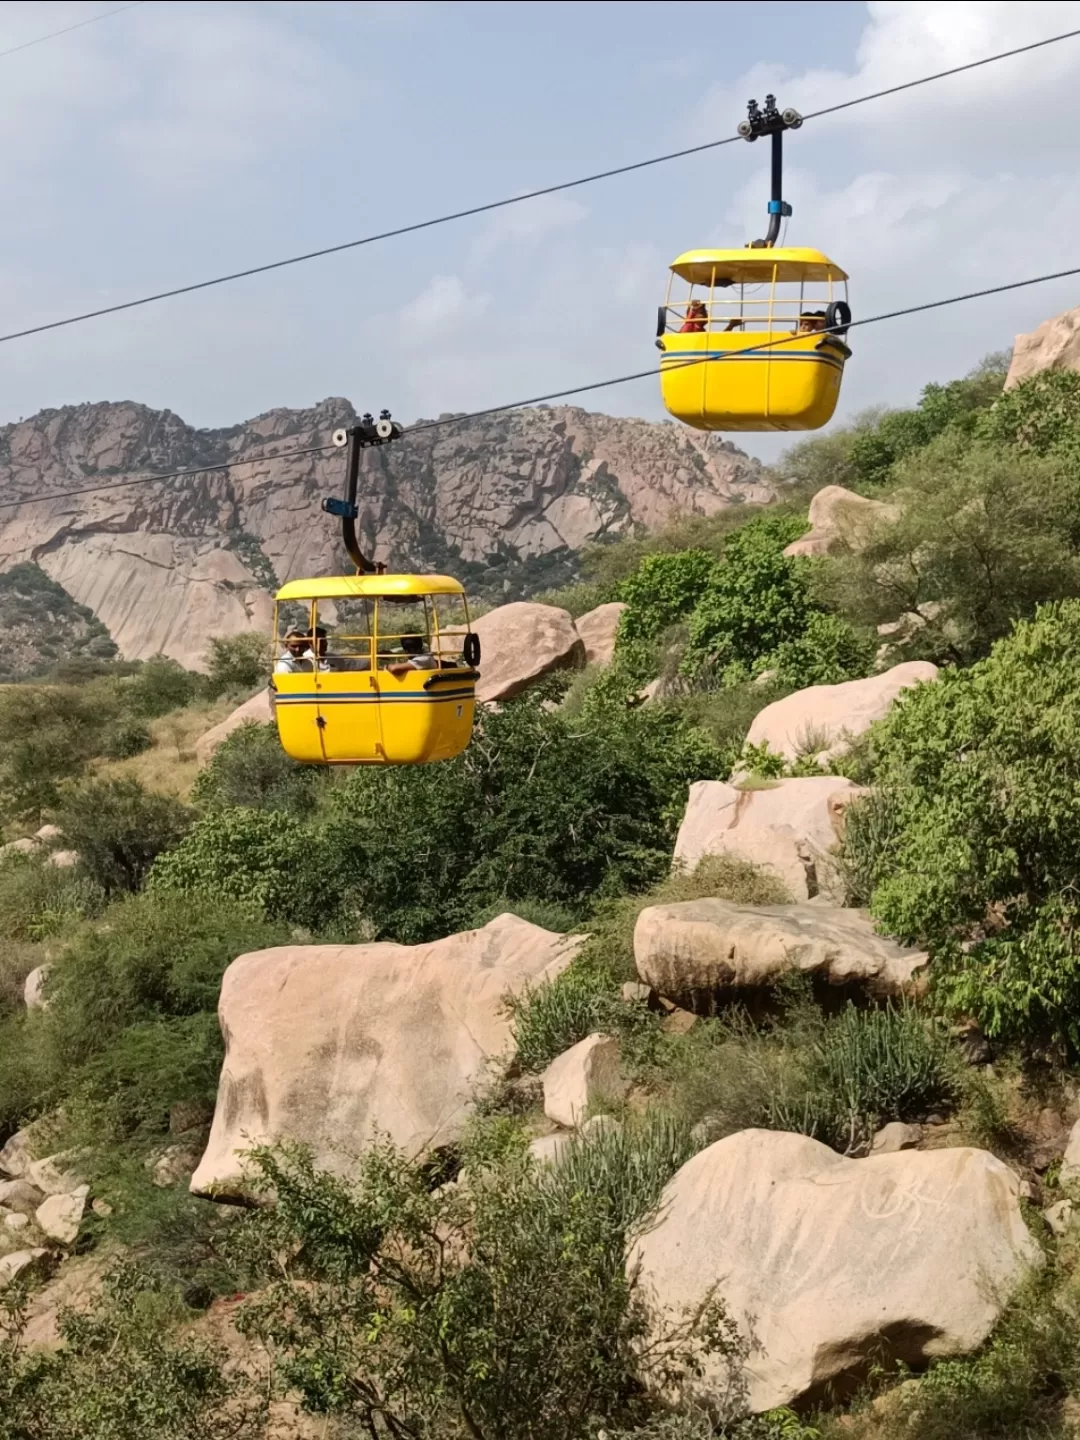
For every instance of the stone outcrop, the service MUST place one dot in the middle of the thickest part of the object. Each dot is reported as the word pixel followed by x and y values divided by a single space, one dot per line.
pixel 840 520
pixel 1053 345
pixel 834 1264
pixel 21 1264
pixel 822 719
pixel 789 828
pixel 520 643
pixel 259 710
pixel 167 566
pixel 330 1044
pixel 696 951
pixel 598 629
pixel 589 1071
pixel 58 1218
pixel 1070 1164
pixel 34 988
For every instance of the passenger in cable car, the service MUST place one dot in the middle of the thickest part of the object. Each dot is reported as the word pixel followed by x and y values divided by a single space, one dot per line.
pixel 419 656
pixel 697 317
pixel 810 321
pixel 292 659
pixel 315 656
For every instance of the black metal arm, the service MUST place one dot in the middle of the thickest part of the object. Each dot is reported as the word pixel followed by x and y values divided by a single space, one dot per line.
pixel 774 122
pixel 369 432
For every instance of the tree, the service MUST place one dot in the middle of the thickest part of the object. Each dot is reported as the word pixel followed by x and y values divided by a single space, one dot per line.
pixel 662 589
pixel 236 663
pixel 250 768
pixel 118 829
pixel 978 855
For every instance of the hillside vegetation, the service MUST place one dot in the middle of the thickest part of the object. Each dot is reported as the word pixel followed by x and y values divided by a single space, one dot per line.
pixel 399 1304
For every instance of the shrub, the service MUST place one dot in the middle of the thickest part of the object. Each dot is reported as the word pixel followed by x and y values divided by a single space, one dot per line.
pixel 39 901
pixel 251 769
pixel 499 1308
pixel 978 772
pixel 161 685
pixel 262 861
pixel 827 652
pixel 46 736
pixel 120 1375
pixel 119 829
pixel 236 663
pixel 550 1018
pixel 663 589
pixel 126 737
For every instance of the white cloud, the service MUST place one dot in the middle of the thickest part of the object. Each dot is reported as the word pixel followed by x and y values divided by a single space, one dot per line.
pixel 521 226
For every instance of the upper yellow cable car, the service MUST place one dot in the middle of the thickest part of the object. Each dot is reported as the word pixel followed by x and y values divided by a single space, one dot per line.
pixel 371 668
pixel 753 339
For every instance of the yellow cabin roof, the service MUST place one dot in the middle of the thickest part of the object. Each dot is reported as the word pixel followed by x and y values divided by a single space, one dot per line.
pixel 342 587
pixel 748 266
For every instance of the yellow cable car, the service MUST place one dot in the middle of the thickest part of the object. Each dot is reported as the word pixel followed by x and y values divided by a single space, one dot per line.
pixel 753 338
pixel 373 669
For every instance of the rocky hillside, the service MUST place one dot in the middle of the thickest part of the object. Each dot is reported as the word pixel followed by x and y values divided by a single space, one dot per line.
pixel 40 625
pixel 506 499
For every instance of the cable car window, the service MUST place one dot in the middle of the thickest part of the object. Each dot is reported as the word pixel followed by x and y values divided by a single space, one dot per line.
pixel 349 625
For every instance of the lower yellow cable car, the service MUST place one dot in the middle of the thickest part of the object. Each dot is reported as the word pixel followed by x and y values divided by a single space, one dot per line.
pixel 753 339
pixel 371 668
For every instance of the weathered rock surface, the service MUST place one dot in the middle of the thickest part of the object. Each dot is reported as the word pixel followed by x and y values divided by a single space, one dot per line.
pixel 894 1137
pixel 832 1263
pixel 521 642
pixel 16 1155
pixel 599 628
pixel 175 1163
pixel 18 1263
pixel 822 718
pixel 20 1195
pixel 695 950
pixel 1053 345
pixel 34 987
pixel 59 1217
pixel 329 1043
pixel 15 1220
pixel 548 1149
pixel 259 710
pixel 1070 1165
pixel 790 828
pixel 587 1072
pixel 54 1174
pixel 167 566
pixel 840 520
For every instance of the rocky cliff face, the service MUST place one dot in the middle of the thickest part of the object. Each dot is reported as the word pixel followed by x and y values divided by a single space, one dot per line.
pixel 167 565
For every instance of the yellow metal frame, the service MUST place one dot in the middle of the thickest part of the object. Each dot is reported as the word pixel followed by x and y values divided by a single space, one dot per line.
pixel 357 710
pixel 750 368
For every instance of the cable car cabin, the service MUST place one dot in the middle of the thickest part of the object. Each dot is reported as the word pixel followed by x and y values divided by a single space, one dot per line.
pixel 374 669
pixel 742 338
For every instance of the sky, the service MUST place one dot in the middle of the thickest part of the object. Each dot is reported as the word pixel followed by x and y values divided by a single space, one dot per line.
pixel 179 140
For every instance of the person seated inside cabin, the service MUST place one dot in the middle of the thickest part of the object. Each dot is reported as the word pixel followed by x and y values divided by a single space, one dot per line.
pixel 697 317
pixel 811 321
pixel 292 659
pixel 419 657
pixel 315 655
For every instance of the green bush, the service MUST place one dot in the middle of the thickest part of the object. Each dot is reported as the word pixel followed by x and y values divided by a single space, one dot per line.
pixel 550 1018
pixel 251 769
pixel 1041 414
pixel 835 1078
pixel 663 589
pixel 125 737
pixel 498 1308
pixel 118 829
pixel 38 901
pixel 981 843
pixel 827 652
pixel 237 664
pixel 46 736
pixel 261 860
pixel 161 685
pixel 120 1374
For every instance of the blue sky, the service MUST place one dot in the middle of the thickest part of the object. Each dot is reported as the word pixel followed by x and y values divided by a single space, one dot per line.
pixel 180 139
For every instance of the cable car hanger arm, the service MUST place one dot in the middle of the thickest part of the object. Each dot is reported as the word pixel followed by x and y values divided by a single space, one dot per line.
pixel 367 433
pixel 771 121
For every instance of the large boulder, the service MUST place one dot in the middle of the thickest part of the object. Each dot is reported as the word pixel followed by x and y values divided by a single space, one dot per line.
pixel 822 719
pixel 1054 345
pixel 17 1155
pixel 840 520
pixel 834 1264
pixel 258 710
pixel 598 629
pixel 328 1044
pixel 790 828
pixel 20 1264
pixel 697 951
pixel 34 988
pixel 521 642
pixel 59 1217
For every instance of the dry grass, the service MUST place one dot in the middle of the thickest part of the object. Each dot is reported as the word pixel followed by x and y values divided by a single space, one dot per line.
pixel 169 766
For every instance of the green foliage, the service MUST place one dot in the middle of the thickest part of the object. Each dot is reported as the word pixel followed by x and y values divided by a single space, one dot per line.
pixel 264 861
pixel 828 651
pixel 499 1308
pixel 549 1019
pixel 979 774
pixel 127 736
pixel 1041 414
pixel 237 664
pixel 161 685
pixel 41 626
pixel 662 589
pixel 120 1375
pixel 46 736
pixel 984 535
pixel 118 829
pixel 39 901
pixel 251 769
pixel 541 805
pixel 837 1078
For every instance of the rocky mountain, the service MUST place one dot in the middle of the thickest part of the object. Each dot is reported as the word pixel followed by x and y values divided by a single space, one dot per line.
pixel 506 501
